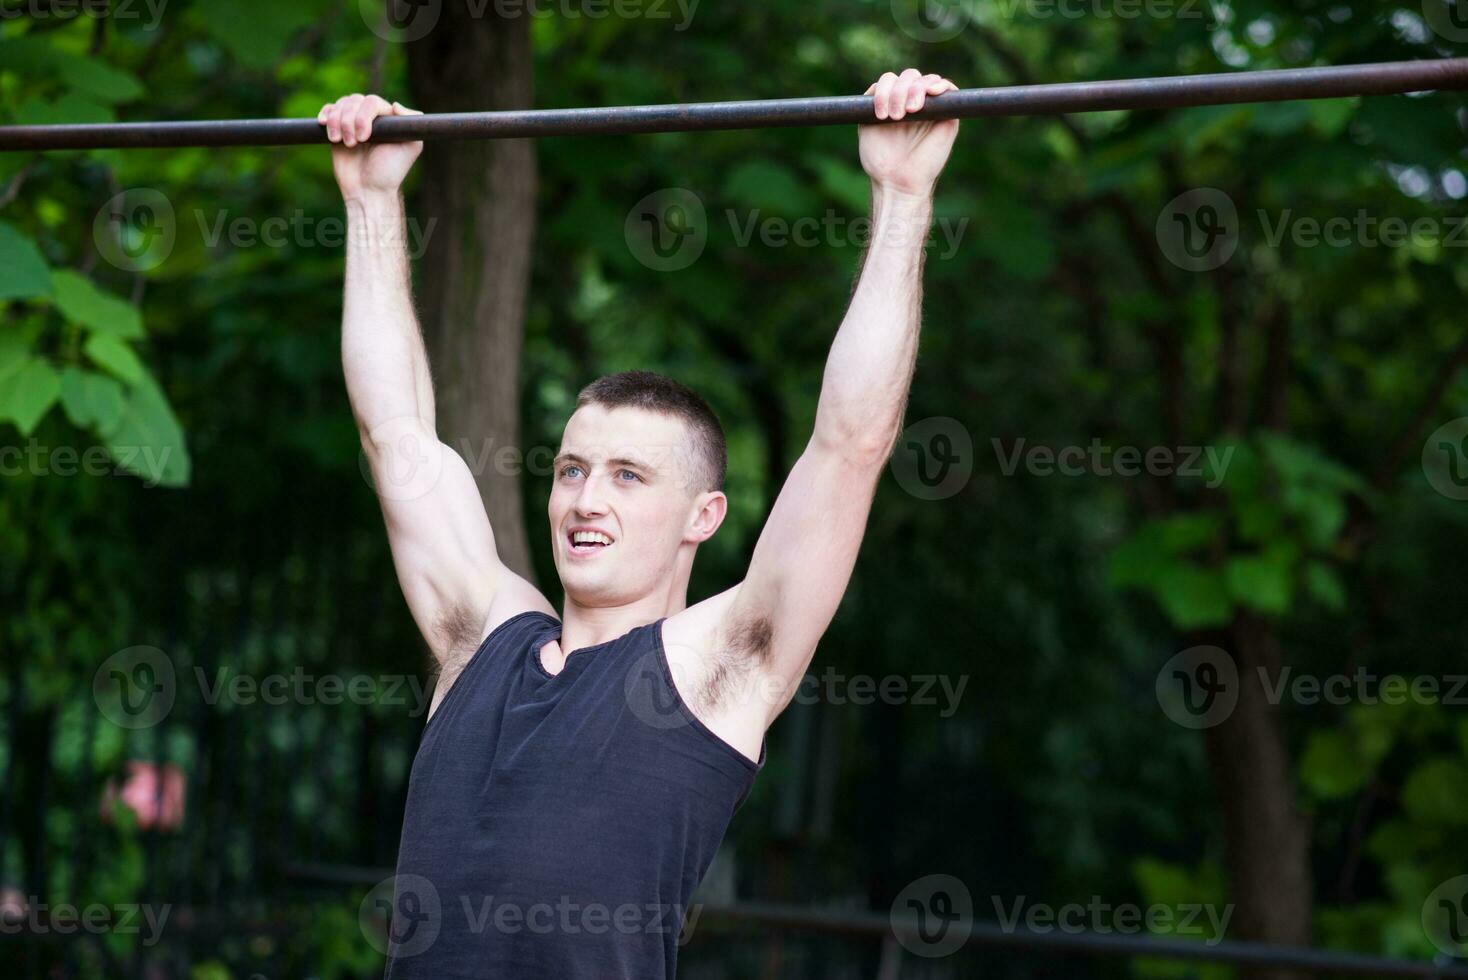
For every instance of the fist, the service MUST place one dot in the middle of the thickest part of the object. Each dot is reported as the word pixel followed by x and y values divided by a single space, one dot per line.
pixel 908 157
pixel 364 169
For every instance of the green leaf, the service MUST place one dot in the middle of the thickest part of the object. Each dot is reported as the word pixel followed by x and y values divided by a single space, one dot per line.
pixel 99 80
pixel 72 107
pixel 15 351
pixel 148 440
pixel 256 32
pixel 81 302
pixel 1151 555
pixel 1193 598
pixel 844 181
pixel 1331 766
pixel 1434 792
pixel 90 400
pixel 1016 237
pixel 23 273
pixel 116 356
pixel 1331 115
pixel 1321 514
pixel 29 394
pixel 1281 118
pixel 34 56
pixel 1264 582
pixel 1325 585
pixel 762 185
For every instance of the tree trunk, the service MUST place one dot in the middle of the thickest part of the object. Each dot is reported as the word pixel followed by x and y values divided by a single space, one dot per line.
pixel 475 271
pixel 1267 836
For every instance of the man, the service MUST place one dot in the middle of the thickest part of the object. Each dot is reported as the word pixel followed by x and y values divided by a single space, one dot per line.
pixel 577 774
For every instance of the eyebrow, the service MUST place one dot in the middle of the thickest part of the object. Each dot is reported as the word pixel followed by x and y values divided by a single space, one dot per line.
pixel 614 461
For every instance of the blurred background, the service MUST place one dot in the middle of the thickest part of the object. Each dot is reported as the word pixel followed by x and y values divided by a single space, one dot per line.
pixel 1158 628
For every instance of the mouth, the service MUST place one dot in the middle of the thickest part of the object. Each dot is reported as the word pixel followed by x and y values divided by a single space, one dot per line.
pixel 585 541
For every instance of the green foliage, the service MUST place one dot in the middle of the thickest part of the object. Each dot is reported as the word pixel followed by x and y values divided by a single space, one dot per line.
pixel 23 274
pixel 215 373
pixel 1286 507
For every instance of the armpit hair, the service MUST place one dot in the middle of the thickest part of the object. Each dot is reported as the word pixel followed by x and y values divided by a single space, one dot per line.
pixel 745 644
pixel 459 633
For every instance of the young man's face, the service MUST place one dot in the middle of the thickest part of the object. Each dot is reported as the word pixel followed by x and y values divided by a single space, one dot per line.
pixel 627 476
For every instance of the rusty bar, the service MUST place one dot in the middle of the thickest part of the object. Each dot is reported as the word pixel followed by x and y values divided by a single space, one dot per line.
pixel 1388 78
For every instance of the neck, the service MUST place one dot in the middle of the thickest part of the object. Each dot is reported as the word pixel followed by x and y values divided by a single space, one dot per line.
pixel 585 625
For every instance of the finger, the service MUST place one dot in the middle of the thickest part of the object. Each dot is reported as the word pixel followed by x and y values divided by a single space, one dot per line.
pixel 912 88
pixel 897 98
pixel 401 110
pixel 934 84
pixel 348 118
pixel 374 106
pixel 321 115
pixel 884 89
pixel 334 123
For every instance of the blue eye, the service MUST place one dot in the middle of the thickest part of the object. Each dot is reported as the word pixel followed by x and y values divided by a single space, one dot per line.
pixel 626 473
pixel 571 471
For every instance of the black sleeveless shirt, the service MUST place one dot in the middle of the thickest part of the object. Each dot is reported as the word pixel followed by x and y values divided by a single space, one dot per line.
pixel 556 826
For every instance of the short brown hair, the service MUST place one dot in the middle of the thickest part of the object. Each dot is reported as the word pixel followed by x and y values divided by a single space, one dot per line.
pixel 656 393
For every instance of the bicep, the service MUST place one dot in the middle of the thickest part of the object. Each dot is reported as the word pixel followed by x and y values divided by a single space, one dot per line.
pixel 442 544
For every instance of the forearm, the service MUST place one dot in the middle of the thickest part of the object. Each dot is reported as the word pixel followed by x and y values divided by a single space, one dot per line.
pixel 870 366
pixel 383 356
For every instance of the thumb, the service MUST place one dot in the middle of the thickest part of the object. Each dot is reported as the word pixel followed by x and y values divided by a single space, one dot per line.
pixel 399 109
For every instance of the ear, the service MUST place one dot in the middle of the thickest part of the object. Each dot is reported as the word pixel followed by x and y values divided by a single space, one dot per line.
pixel 709 510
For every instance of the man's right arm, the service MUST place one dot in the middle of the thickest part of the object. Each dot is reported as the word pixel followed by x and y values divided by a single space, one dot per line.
pixel 442 544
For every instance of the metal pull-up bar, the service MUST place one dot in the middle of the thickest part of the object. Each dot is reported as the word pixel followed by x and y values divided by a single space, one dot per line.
pixel 1390 78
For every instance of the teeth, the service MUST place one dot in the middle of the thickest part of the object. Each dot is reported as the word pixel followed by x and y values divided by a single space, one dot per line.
pixel 589 537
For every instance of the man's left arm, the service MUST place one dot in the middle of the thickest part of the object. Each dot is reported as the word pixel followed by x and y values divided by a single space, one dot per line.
pixel 805 554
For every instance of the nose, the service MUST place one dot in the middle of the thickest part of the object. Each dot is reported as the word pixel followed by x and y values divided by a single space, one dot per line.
pixel 591 502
